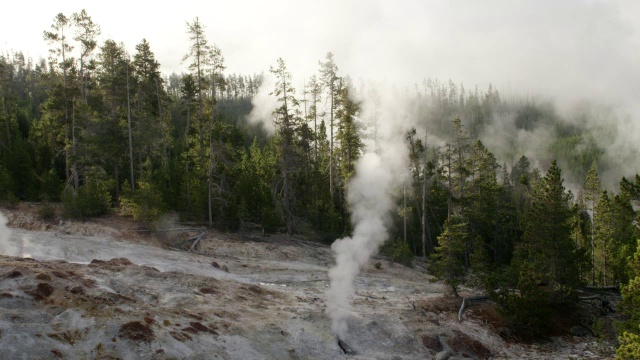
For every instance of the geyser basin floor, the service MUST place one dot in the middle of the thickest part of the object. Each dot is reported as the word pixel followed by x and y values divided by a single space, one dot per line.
pixel 183 307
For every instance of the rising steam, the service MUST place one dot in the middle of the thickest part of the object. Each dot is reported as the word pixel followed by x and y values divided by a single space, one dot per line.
pixel 5 234
pixel 263 105
pixel 371 201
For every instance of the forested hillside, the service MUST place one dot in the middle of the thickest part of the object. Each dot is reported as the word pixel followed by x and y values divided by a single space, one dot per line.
pixel 101 130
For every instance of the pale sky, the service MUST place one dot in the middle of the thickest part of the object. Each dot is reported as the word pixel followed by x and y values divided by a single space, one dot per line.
pixel 572 51
pixel 553 47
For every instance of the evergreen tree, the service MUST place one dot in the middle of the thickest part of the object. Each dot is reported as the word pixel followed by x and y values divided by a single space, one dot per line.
pixel 449 259
pixel 199 52
pixel 547 243
pixel 329 79
pixel 110 142
pixel 216 61
pixel 629 332
pixel 315 91
pixel 484 194
pixel 55 124
pixel 348 137
pixel 591 194
pixel 188 93
pixel 604 233
pixel 286 122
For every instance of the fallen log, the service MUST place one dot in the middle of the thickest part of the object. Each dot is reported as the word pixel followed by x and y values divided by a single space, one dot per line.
pixel 600 289
pixel 368 296
pixel 469 299
pixel 346 349
pixel 197 239
pixel 461 311
pixel 167 230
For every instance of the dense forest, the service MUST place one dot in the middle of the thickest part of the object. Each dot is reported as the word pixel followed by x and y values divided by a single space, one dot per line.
pixel 100 130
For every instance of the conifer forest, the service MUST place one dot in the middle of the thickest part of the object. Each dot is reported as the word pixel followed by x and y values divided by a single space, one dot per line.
pixel 508 193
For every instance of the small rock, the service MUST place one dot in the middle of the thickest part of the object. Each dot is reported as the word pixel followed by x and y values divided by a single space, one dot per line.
pixel 77 290
pixel 443 355
pixel 432 342
pixel 43 277
pixel 44 290
pixel 136 331
pixel 579 330
pixel 13 274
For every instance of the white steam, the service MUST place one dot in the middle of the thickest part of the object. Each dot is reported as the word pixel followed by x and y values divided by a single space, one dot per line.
pixel 264 105
pixel 5 246
pixel 371 202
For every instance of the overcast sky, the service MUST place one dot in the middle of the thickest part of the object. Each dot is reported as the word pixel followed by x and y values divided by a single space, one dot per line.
pixel 558 48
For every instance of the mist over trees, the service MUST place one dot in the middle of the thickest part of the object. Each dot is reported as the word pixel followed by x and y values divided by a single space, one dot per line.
pixel 101 130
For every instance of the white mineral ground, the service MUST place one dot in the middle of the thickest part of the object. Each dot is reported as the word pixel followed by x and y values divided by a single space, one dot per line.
pixel 270 305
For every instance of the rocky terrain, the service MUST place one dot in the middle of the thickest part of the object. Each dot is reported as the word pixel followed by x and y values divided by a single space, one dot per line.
pixel 105 290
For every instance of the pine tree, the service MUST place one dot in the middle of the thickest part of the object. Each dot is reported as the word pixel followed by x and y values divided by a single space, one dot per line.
pixel 484 193
pixel 449 259
pixel 57 107
pixel 348 136
pixel 216 62
pixel 86 33
pixel 188 93
pixel 110 142
pixel 329 79
pixel 629 336
pixel 591 194
pixel 286 123
pixel 604 233
pixel 199 52
pixel 315 91
pixel 547 243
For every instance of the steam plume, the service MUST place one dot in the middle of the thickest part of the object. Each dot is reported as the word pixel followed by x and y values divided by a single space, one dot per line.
pixel 5 234
pixel 371 202
pixel 263 105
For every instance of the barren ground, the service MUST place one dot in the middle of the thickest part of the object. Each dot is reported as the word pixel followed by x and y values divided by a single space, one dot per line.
pixel 104 290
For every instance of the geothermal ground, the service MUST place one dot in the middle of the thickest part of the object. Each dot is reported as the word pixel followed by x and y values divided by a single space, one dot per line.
pixel 104 290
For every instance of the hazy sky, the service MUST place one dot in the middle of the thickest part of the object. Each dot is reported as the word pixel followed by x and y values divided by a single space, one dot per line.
pixel 550 46
pixel 565 50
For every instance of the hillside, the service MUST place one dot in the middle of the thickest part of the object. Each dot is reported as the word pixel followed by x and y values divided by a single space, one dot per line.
pixel 104 290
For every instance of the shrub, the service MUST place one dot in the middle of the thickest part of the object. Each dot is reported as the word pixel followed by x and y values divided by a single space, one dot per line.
pixel 399 251
pixel 47 211
pixel 90 201
pixel 528 312
pixel 8 197
pixel 629 330
pixel 51 186
pixel 93 197
pixel 144 204
pixel 9 200
pixel 629 348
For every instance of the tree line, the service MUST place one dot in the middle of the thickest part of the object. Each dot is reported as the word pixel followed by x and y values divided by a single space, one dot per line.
pixel 100 130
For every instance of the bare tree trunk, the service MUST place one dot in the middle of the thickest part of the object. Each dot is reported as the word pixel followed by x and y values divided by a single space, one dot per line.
pixel 593 246
pixel 76 182
pixel 331 185
pixel 424 202
pixel 186 161
pixel 115 173
pixel 604 266
pixel 164 145
pixel 210 175
pixel 66 105
pixel 404 210
pixel 129 128
pixel 449 203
